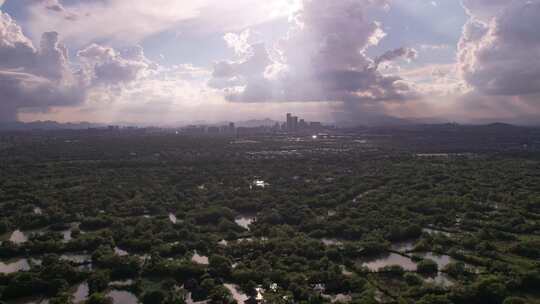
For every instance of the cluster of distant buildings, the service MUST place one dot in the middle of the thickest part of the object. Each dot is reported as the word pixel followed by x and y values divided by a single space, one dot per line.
pixel 229 129
pixel 293 124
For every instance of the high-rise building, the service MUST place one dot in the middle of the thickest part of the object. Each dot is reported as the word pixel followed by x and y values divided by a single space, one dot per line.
pixel 289 122
pixel 294 124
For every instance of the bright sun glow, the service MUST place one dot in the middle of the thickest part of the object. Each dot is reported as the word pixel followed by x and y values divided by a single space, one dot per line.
pixel 287 8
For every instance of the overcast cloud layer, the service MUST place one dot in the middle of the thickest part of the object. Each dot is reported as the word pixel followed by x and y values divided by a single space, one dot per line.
pixel 332 60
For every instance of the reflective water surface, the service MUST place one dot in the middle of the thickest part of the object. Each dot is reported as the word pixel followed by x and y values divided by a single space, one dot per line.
pixel 81 293
pixel 240 297
pixel 388 260
pixel 331 242
pixel 173 218
pixel 199 259
pixel 11 266
pixel 244 221
pixel 18 237
pixel 123 297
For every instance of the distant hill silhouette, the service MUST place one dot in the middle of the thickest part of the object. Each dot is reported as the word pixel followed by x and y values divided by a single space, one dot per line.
pixel 47 125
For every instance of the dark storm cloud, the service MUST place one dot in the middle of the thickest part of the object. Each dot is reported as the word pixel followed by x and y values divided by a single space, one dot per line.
pixel 23 90
pixel 406 53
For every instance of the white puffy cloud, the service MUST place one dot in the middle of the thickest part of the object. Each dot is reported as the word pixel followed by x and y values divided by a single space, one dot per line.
pixel 323 58
pixel 31 77
pixel 238 42
pixel 15 49
pixel 39 78
pixel 108 67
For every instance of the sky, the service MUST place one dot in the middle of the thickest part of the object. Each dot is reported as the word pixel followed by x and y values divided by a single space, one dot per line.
pixel 170 62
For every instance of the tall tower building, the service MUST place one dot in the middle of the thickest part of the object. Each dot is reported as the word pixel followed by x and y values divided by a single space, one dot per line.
pixel 294 123
pixel 289 122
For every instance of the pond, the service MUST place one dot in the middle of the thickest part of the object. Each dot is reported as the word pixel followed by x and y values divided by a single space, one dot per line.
pixel 81 293
pixel 66 236
pixel 331 242
pixel 199 259
pixel 436 231
pixel 338 298
pixel 84 261
pixel 245 220
pixel 18 237
pixel 120 252
pixel 389 260
pixel 12 266
pixel 240 297
pixel 122 297
pixel 78 258
pixel 121 283
pixel 260 184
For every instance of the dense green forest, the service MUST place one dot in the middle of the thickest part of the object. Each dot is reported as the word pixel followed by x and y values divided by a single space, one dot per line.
pixel 163 218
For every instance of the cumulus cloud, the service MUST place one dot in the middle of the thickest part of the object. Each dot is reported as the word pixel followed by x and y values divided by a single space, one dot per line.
pixel 499 52
pixel 15 49
pixel 40 78
pixel 109 67
pixel 18 52
pixel 31 77
pixel 323 58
